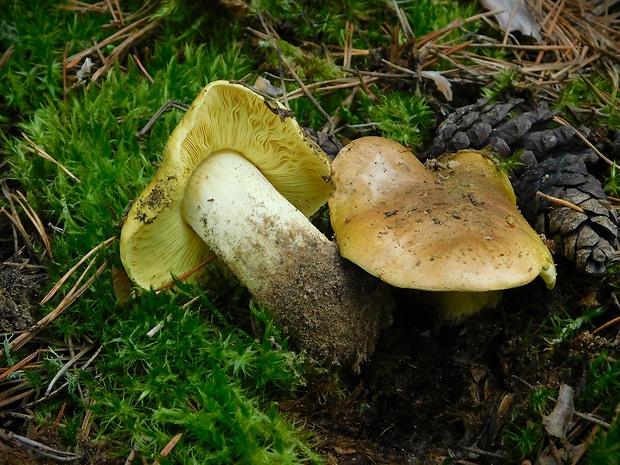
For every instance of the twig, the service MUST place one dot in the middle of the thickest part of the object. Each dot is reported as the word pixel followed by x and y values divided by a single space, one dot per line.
pixel 165 107
pixel 562 202
pixel 42 449
pixel 606 325
pixel 475 450
pixel 587 142
pixel 592 419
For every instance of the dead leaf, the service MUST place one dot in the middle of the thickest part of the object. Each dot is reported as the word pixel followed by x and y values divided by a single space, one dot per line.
pixel 443 85
pixel 514 15
pixel 559 421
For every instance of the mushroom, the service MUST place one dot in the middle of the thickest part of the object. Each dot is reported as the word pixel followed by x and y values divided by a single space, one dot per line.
pixel 239 179
pixel 454 229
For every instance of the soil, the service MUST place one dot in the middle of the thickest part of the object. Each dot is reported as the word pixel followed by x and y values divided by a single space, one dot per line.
pixel 18 296
pixel 434 392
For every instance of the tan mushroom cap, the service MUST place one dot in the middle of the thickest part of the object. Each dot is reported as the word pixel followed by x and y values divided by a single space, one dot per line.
pixel 155 240
pixel 455 228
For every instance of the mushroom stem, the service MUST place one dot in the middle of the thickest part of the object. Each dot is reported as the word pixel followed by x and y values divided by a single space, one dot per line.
pixel 328 306
pixel 456 306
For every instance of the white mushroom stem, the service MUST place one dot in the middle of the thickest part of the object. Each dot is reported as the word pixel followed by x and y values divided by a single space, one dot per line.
pixel 246 222
pixel 283 260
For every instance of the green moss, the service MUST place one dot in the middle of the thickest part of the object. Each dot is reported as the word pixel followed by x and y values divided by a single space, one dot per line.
pixel 595 91
pixel 323 21
pixel 428 16
pixel 205 373
pixel 214 382
pixel 603 382
pixel 39 33
pixel 523 438
pixel 92 135
pixel 605 450
pixel 403 117
pixel 216 387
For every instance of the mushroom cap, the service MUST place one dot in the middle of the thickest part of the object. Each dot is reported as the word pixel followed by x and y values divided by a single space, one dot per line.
pixel 456 228
pixel 155 240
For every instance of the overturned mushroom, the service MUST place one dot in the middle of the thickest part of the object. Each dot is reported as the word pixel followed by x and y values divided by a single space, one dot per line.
pixel 238 179
pixel 454 230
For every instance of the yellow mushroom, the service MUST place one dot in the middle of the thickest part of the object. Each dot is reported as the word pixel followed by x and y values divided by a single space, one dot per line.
pixel 238 179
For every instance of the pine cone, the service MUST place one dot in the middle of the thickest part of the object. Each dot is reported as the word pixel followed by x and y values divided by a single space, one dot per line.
pixel 555 163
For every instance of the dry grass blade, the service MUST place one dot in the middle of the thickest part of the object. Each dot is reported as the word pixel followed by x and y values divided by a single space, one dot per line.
pixel 142 68
pixel 123 48
pixel 36 221
pixel 76 5
pixel 74 293
pixel 22 232
pixel 8 397
pixel 58 390
pixel 336 84
pixel 68 274
pixel 64 369
pixel 87 422
pixel 73 60
pixel 582 448
pixel 348 44
pixel 561 202
pixel 13 216
pixel 71 297
pixel 402 19
pixel 574 43
pixel 185 275
pixel 168 448
pixel 42 153
pixel 18 366
pixel 6 55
